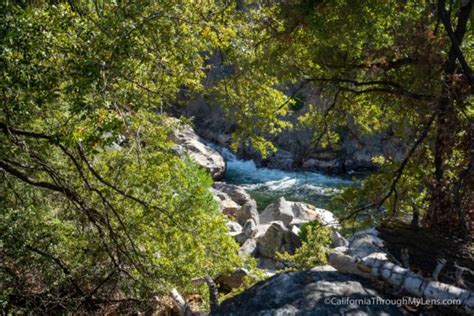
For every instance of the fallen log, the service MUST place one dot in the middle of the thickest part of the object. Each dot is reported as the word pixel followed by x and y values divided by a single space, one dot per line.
pixel 426 247
pixel 183 306
pixel 375 266
pixel 180 302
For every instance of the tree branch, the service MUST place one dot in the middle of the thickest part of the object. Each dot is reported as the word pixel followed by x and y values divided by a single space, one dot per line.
pixel 399 172
pixel 41 184
pixel 316 142
pixel 15 131
pixel 382 65
pixel 456 36
pixel 377 86
pixel 59 263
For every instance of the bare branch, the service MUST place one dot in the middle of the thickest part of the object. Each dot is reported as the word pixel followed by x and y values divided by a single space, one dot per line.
pixel 213 292
pixel 15 131
pixel 41 184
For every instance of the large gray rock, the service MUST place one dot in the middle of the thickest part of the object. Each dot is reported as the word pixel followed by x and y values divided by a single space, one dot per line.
pixel 248 248
pixel 297 213
pixel 246 212
pixel 187 142
pixel 319 291
pixel 365 242
pixel 279 210
pixel 338 240
pixel 304 212
pixel 249 230
pixel 280 224
pixel 277 238
pixel 236 193
pixel 227 206
pixel 242 212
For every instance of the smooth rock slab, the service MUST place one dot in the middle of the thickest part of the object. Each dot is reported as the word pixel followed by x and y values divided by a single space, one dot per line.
pixel 307 293
pixel 236 193
pixel 187 142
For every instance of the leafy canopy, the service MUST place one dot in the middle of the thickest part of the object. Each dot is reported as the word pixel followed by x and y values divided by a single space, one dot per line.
pixel 95 200
pixel 95 203
pixel 402 68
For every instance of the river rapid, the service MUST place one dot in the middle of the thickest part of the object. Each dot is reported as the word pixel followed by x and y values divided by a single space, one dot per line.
pixel 266 185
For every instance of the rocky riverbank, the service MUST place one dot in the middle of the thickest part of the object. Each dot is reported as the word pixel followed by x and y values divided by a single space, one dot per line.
pixel 321 290
pixel 260 234
pixel 187 142
pixel 276 229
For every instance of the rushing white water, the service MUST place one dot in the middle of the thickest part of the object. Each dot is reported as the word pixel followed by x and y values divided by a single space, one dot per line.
pixel 268 184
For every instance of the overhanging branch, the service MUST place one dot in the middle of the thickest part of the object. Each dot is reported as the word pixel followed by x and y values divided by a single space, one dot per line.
pixel 398 173
pixel 383 86
pixel 16 131
pixel 41 184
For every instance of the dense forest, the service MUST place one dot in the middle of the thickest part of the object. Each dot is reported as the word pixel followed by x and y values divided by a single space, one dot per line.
pixel 116 198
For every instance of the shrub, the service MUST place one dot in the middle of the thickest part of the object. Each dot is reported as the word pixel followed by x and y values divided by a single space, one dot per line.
pixel 313 251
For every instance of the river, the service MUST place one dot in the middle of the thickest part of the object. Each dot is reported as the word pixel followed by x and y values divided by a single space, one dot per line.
pixel 266 185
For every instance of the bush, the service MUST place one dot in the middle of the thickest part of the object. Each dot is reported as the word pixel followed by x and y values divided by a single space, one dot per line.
pixel 316 239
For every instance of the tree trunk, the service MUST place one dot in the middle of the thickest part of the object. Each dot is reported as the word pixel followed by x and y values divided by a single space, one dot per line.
pixel 445 211
pixel 414 284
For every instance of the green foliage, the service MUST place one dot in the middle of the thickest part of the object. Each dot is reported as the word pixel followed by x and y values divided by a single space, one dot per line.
pixel 410 195
pixel 379 69
pixel 179 236
pixel 299 102
pixel 95 203
pixel 316 240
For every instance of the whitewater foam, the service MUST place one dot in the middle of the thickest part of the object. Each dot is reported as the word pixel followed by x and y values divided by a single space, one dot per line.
pixel 247 174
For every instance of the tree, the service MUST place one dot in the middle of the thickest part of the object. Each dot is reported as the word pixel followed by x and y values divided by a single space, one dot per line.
pixel 96 207
pixel 391 65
